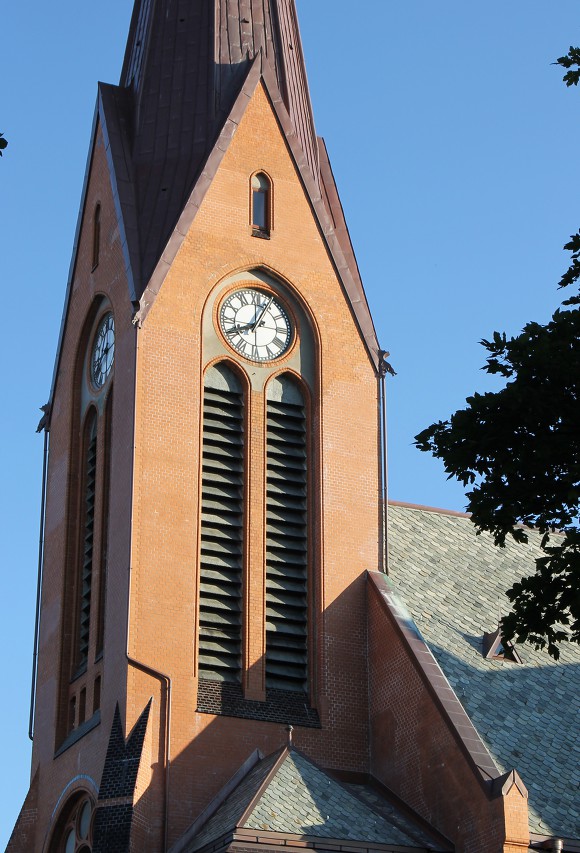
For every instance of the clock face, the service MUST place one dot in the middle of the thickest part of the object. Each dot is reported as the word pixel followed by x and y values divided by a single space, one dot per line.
pixel 103 354
pixel 255 324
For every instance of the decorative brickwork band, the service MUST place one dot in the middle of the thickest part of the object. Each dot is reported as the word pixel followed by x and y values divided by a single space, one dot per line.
pixel 281 706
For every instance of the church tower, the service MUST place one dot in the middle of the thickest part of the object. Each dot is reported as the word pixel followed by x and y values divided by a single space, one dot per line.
pixel 213 487
pixel 223 664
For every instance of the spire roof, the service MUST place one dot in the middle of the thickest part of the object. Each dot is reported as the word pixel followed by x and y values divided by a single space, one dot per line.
pixel 185 64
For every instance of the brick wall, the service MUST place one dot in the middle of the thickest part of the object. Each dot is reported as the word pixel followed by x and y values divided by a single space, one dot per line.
pixel 173 349
pixel 418 753
pixel 59 591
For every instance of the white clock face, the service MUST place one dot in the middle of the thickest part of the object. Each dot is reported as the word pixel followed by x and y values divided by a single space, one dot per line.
pixel 255 324
pixel 103 354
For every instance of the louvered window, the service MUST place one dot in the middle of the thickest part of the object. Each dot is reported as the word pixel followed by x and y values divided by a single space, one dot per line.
pixel 86 569
pixel 102 590
pixel 222 546
pixel 286 538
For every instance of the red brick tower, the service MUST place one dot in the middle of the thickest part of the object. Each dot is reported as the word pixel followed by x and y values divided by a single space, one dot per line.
pixel 213 537
pixel 213 483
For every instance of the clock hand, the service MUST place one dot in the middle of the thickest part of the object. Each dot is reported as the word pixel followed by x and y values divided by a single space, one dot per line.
pixel 261 314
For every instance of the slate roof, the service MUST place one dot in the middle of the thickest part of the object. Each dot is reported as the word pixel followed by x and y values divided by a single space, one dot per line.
pixel 287 794
pixel 528 715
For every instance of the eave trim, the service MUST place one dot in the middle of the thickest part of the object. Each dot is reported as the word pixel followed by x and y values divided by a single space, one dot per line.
pixel 260 69
pixel 465 733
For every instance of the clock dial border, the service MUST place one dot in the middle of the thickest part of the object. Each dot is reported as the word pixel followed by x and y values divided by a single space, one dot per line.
pixel 104 326
pixel 244 315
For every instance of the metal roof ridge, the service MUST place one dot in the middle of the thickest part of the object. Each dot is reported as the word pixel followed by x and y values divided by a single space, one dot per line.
pixel 425 508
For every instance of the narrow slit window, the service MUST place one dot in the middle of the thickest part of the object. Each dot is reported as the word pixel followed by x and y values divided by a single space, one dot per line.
pixel 222 525
pixel 96 235
pixel 286 538
pixel 72 712
pixel 97 694
pixel 261 201
pixel 82 705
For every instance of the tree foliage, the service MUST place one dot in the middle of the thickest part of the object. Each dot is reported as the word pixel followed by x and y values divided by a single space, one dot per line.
pixel 572 62
pixel 518 451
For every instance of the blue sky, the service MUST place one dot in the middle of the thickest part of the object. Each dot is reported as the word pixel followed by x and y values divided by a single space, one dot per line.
pixel 453 142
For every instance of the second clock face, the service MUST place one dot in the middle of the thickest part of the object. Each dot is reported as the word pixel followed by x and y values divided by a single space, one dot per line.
pixel 255 324
pixel 103 353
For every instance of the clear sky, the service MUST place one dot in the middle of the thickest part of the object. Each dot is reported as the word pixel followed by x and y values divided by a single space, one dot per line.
pixel 454 146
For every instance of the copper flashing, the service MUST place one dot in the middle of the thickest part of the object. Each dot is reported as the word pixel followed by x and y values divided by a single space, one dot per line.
pixel 184 842
pixel 453 512
pixel 495 647
pixel 113 112
pixel 436 682
pixel 501 786
pixel 549 842
pixel 261 71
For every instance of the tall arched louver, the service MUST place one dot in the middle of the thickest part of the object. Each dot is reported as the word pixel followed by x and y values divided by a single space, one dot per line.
pixel 222 520
pixel 286 537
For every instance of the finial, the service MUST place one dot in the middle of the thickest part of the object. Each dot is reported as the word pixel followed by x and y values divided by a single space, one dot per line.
pixel 289 729
pixel 384 366
pixel 44 421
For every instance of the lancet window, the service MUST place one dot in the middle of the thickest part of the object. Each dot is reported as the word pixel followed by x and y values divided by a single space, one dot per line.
pixel 84 613
pixel 261 204
pixel 286 537
pixel 222 527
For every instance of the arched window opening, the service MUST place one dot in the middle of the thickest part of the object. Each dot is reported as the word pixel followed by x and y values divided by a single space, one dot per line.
pixel 74 831
pixel 96 235
pixel 97 694
pixel 83 616
pixel 222 524
pixel 286 537
pixel 261 205
pixel 87 544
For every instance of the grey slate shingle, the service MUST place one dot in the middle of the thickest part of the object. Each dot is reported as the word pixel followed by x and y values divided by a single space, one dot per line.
pixel 301 799
pixel 454 584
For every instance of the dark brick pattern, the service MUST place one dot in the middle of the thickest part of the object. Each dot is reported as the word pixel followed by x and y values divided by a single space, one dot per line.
pixel 281 706
pixel 122 761
pixel 112 832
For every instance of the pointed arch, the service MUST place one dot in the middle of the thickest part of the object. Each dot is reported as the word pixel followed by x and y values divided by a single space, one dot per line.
pixel 222 546
pixel 287 546
pixel 73 831
pixel 261 207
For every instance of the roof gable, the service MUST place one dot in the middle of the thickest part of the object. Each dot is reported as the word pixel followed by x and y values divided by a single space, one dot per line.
pixel 286 794
pixel 337 242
